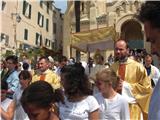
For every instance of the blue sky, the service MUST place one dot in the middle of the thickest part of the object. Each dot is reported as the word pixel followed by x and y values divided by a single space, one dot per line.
pixel 62 4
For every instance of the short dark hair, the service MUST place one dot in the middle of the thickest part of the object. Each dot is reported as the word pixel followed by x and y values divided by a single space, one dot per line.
pixel 44 57
pixel 62 58
pixel 148 55
pixel 26 75
pixel 40 94
pixel 13 58
pixel 150 11
pixel 127 45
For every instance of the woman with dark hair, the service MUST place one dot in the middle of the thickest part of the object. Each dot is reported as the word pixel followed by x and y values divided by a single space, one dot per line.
pixel 79 103
pixel 38 101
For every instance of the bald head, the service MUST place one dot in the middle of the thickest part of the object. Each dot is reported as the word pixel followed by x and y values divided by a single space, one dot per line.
pixel 121 50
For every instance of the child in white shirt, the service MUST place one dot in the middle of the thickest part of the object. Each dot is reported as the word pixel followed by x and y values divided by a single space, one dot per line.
pixel 79 104
pixel 112 105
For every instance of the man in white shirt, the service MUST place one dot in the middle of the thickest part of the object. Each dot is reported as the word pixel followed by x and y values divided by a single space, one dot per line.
pixel 152 71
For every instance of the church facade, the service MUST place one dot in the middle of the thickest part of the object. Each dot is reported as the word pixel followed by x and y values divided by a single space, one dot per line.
pixel 99 14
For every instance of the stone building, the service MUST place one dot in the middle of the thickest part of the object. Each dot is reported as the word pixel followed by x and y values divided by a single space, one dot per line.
pixel 97 14
pixel 30 24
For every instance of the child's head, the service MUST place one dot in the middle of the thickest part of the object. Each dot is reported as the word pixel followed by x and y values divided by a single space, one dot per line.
pixel 25 78
pixel 106 79
pixel 74 80
pixel 4 89
pixel 37 100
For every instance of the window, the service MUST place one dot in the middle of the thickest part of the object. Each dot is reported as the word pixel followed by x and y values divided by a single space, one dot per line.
pixel 41 3
pixel 26 9
pixel 54 27
pixel 40 19
pixel 38 39
pixel 48 7
pixel 47 22
pixel 82 7
pixel 20 46
pixel 47 43
pixel 53 45
pixel 4 39
pixel 3 36
pixel 54 14
pixel 3 5
pixel 25 34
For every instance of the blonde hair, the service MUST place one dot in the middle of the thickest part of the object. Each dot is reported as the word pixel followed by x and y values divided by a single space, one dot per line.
pixel 108 75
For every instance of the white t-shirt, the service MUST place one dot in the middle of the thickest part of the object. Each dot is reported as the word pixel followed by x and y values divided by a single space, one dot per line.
pixel 78 110
pixel 113 109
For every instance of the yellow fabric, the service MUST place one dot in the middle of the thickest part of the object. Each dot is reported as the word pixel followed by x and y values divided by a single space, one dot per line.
pixel 134 108
pixel 136 75
pixel 93 36
pixel 50 77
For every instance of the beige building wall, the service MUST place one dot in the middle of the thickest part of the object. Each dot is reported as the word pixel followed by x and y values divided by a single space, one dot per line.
pixel 32 25
pixel 58 24
pixel 7 28
pixel 16 30
pixel 67 29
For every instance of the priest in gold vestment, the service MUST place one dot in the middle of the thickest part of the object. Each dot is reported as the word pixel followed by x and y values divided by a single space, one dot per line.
pixel 44 73
pixel 135 85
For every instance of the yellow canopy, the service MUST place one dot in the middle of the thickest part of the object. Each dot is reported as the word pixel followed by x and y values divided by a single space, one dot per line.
pixel 102 38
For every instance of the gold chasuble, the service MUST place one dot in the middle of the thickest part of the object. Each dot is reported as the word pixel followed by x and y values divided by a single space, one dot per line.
pixel 48 76
pixel 136 76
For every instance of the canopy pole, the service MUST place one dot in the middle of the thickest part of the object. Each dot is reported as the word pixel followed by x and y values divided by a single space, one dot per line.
pixel 88 58
pixel 70 50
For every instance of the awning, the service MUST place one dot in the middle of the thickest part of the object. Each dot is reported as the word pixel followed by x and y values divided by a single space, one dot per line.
pixel 89 41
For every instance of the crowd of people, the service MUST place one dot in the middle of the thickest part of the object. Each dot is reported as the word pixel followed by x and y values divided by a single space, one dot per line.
pixel 126 88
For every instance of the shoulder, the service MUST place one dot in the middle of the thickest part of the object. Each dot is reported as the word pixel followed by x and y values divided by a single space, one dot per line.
pixel 121 99
pixel 50 72
pixel 91 100
pixel 92 103
pixel 7 101
pixel 131 61
pixel 15 74
pixel 155 68
pixel 134 64
pixel 35 77
pixel 98 95
pixel 90 97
